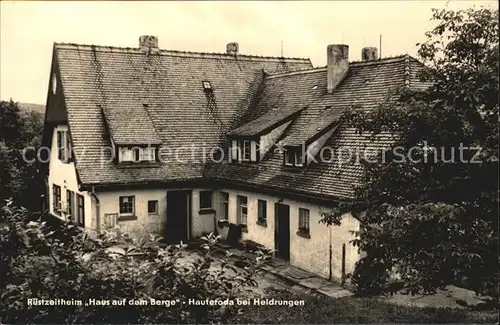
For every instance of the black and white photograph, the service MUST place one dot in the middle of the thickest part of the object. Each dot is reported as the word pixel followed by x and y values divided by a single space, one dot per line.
pixel 249 162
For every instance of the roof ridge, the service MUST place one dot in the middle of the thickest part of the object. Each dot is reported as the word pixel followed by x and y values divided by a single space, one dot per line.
pixel 294 72
pixel 136 50
pixel 391 59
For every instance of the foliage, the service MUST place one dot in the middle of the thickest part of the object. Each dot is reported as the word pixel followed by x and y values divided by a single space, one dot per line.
pixel 19 177
pixel 432 202
pixel 39 262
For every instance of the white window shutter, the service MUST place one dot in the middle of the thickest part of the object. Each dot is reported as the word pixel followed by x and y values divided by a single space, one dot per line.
pixel 234 151
pixel 253 151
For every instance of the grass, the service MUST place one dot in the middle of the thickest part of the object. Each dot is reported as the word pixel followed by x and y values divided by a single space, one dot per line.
pixel 327 310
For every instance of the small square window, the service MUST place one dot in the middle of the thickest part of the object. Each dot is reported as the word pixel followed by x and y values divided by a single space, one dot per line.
pixel 207 85
pixel 153 207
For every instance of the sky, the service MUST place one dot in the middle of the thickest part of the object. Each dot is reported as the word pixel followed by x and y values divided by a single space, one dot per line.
pixel 305 28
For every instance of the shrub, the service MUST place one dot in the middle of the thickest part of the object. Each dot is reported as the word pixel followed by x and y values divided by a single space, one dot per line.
pixel 38 264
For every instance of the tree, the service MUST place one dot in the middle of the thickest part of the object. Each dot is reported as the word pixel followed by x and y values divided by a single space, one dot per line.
pixel 432 201
pixel 19 177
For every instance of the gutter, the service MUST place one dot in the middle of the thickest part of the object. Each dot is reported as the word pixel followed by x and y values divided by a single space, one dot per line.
pixel 97 208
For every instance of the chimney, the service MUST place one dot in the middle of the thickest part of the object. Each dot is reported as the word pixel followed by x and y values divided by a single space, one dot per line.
pixel 369 53
pixel 149 44
pixel 232 48
pixel 337 65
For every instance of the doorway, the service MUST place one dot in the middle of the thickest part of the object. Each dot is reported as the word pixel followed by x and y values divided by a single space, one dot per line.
pixel 178 217
pixel 282 231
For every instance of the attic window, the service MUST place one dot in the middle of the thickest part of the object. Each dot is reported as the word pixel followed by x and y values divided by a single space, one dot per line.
pixel 207 86
pixel 244 151
pixel 137 154
pixel 293 157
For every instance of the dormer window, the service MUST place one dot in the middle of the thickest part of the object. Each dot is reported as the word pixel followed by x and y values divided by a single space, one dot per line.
pixel 136 154
pixel 293 157
pixel 244 151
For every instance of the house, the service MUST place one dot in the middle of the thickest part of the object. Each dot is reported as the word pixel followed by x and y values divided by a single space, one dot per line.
pixel 171 142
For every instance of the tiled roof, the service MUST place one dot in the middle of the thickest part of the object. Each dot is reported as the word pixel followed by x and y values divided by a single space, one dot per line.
pixel 160 98
pixel 129 124
pixel 109 85
pixel 267 122
pixel 365 86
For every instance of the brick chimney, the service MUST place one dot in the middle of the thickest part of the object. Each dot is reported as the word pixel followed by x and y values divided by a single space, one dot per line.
pixel 369 53
pixel 149 44
pixel 337 65
pixel 232 48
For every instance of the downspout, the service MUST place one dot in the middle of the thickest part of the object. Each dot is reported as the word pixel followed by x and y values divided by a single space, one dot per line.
pixel 330 253
pixel 97 209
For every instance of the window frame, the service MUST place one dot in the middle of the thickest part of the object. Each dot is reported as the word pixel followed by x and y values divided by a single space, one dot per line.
pixel 225 204
pixel 287 158
pixel 70 204
pixel 243 153
pixel 293 157
pixel 261 212
pixel 242 204
pixel 207 85
pixel 64 148
pixel 298 159
pixel 304 221
pixel 56 199
pixel 80 209
pixel 120 203
pixel 155 212
pixel 136 154
pixel 202 198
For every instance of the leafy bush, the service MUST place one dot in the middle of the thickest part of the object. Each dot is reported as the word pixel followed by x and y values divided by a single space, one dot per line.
pixel 432 203
pixel 38 264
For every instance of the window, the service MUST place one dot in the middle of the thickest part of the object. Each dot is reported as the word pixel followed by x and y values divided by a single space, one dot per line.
pixel 147 154
pixel 56 203
pixel 246 150
pixel 153 207
pixel 207 86
pixel 205 200
pixel 242 210
pixel 262 212
pixel 293 157
pixel 303 221
pixel 289 160
pixel 126 155
pixel 298 159
pixel 80 215
pixel 127 205
pixel 225 205
pixel 63 146
pixel 70 204
pixel 137 154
